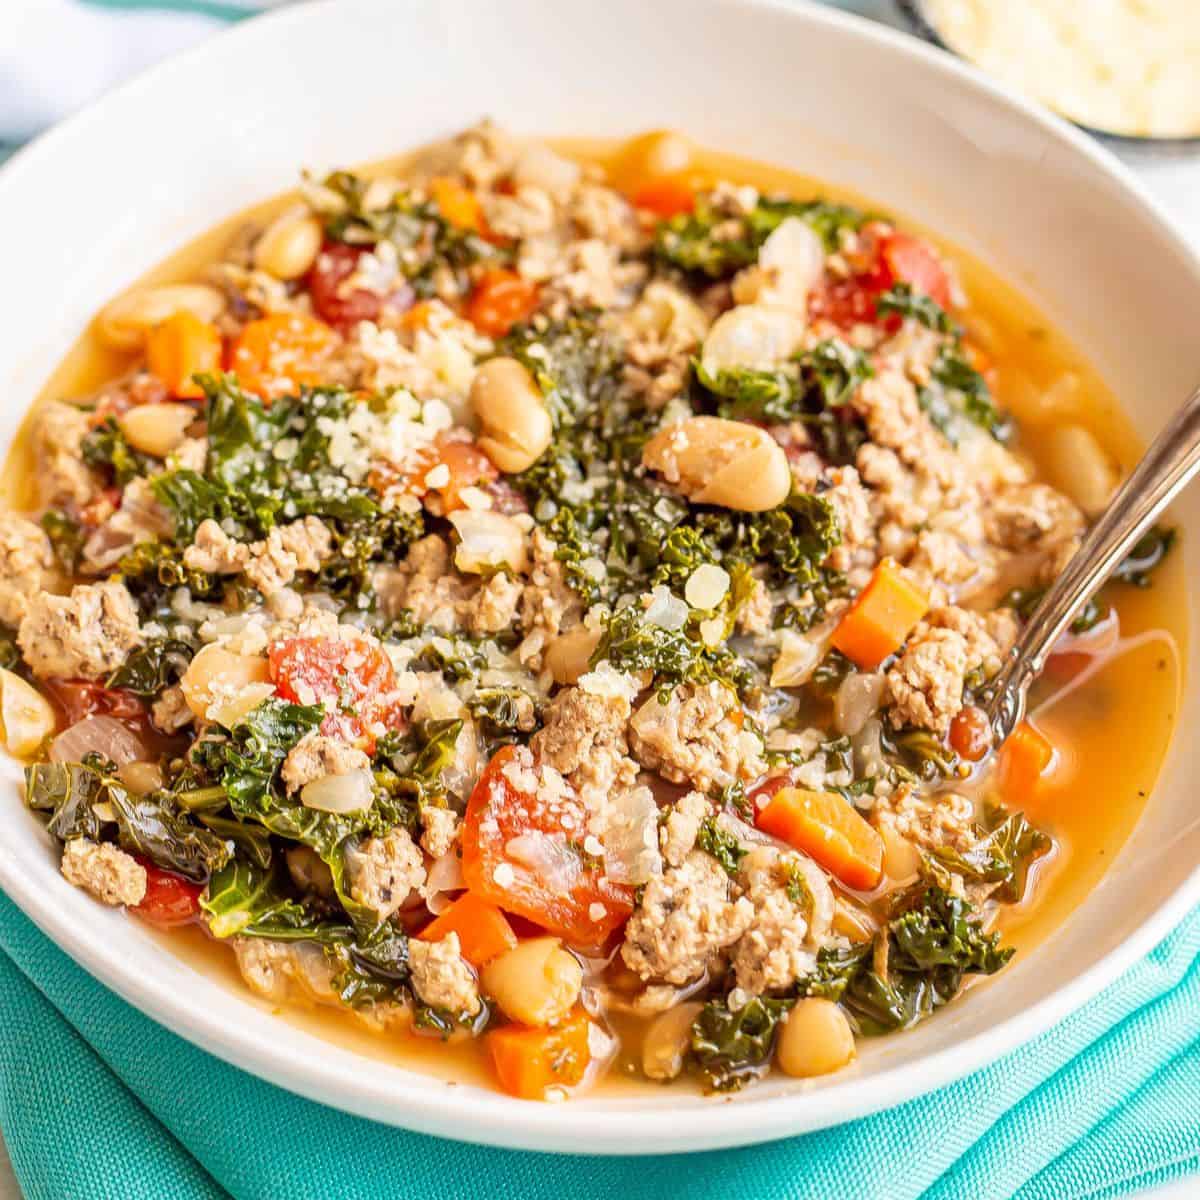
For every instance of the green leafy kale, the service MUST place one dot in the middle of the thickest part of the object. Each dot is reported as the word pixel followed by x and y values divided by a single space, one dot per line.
pixel 920 754
pixel 153 667
pixel 1025 600
pixel 814 388
pixel 423 238
pixel 717 841
pixel 502 712
pixel 575 362
pixel 412 763
pixel 66 539
pixel 87 800
pixel 955 391
pixel 106 449
pixel 732 1047
pixel 933 942
pixel 1145 557
pixel 714 245
pixel 1003 856
pixel 901 300
pixel 247 762
pixel 631 643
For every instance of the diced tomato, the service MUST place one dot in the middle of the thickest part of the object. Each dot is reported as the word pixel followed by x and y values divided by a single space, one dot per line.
pixel 501 299
pixel 468 467
pixel 170 900
pixel 566 893
pixel 335 264
pixel 914 262
pixel 886 258
pixel 353 678
pixel 79 698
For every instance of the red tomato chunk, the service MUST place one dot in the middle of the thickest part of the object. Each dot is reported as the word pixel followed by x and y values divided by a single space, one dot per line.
pixel 352 677
pixel 170 900
pixel 522 851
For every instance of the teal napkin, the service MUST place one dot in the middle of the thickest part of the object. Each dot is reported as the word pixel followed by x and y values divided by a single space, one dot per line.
pixel 98 1102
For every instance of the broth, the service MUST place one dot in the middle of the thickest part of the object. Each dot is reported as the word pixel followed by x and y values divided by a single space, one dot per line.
pixel 1098 787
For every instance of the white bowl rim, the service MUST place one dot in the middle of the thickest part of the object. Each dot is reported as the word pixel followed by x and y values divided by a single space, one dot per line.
pixel 498 1119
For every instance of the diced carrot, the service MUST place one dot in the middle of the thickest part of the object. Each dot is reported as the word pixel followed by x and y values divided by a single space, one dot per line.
pixel 826 828
pixel 666 195
pixel 881 617
pixel 529 1061
pixel 417 317
pixel 278 355
pixel 483 930
pixel 1023 761
pixel 468 467
pixel 181 347
pixel 500 300
pixel 458 204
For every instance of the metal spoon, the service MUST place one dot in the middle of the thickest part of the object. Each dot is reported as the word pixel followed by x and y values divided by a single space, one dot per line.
pixel 1166 468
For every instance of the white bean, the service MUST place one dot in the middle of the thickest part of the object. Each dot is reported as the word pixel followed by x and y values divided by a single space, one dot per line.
pixel 715 461
pixel 751 335
pixel 667 1039
pixel 536 982
pixel 816 1038
pixel 289 246
pixel 156 429
pixel 1079 466
pixel 125 321
pixel 515 426
pixel 218 675
pixel 568 655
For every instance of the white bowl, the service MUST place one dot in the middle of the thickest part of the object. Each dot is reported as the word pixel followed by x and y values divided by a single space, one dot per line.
pixel 106 195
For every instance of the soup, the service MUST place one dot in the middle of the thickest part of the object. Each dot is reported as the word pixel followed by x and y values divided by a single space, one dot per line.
pixel 525 610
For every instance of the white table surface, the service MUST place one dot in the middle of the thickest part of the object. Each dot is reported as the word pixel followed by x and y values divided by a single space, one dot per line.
pixel 1175 184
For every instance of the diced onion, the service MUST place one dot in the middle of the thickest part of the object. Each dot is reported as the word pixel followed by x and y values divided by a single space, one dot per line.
pixel 445 876
pixel 666 610
pixel 792 259
pixel 706 586
pixel 799 654
pixel 631 852
pixel 98 735
pixel 857 701
pixel 352 792
pixel 752 335
pixel 554 862
pixel 488 540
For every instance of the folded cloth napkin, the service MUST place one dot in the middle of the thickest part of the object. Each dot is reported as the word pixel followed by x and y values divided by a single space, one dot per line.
pixel 98 1101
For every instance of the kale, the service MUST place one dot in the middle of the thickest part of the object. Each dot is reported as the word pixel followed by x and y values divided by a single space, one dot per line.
pixel 920 754
pixel 10 655
pixel 243 899
pixel 722 845
pixel 733 1046
pixel 359 546
pixel 1145 557
pixel 829 673
pixel 247 762
pixel 1003 856
pixel 152 667
pixel 934 940
pixel 956 390
pixel 1024 602
pixel 153 569
pixel 66 539
pixel 814 388
pixel 632 644
pixel 458 658
pixel 154 826
pixel 409 765
pixel 106 448
pixel 574 362
pixel 423 238
pixel 69 792
pixel 253 842
pixel 713 245
pixel 904 302
pixel 804 613
pixel 574 549
pixel 248 901
pixel 501 712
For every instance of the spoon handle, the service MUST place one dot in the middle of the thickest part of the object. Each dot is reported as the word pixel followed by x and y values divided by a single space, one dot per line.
pixel 1169 464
